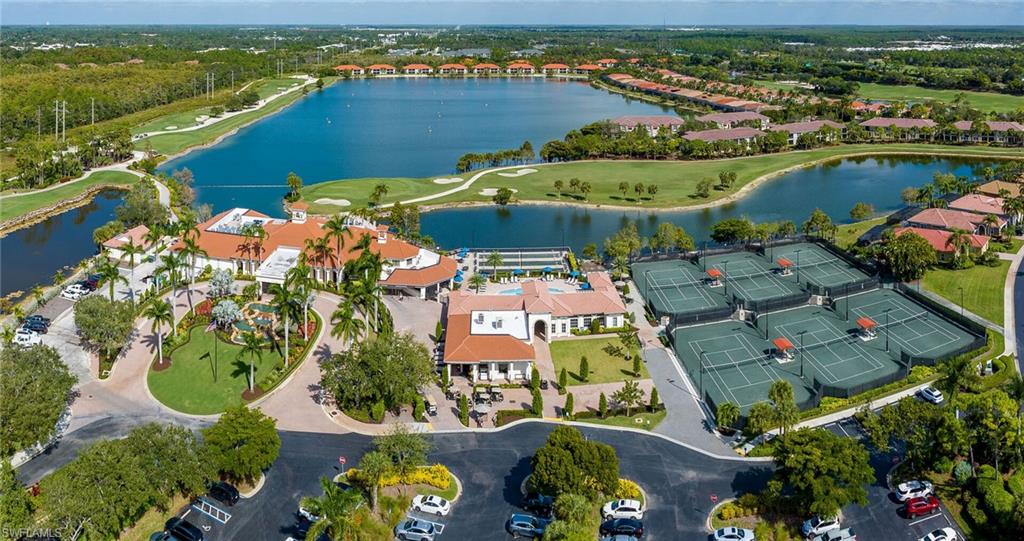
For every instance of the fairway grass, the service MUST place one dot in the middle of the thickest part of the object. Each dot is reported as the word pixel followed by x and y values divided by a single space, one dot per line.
pixel 603 367
pixel 12 207
pixel 676 180
pixel 982 285
pixel 188 385
pixel 985 101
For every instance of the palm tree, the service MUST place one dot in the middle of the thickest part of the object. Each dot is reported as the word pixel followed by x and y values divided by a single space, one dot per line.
pixel 153 235
pixel 960 242
pixel 7 334
pixel 39 295
pixel 477 281
pixel 284 300
pixel 190 252
pixel 347 326
pixel 319 249
pixel 161 313
pixel 337 229
pixel 956 374
pixel 252 347
pixel 109 273
pixel 299 277
pixel 494 259
pixel 170 264
pixel 131 251
pixel 336 509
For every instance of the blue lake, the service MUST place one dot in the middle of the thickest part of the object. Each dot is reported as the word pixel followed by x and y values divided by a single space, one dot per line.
pixel 32 255
pixel 833 187
pixel 399 127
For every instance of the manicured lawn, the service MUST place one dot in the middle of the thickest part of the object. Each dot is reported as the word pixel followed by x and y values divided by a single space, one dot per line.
pixel 182 119
pixel 603 367
pixel 188 385
pixel 649 420
pixel 269 87
pixel 1011 247
pixel 982 285
pixel 986 101
pixel 847 234
pixel 152 521
pixel 448 493
pixel 11 207
pixel 676 180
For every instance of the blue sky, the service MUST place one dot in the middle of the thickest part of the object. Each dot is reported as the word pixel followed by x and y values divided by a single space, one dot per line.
pixel 559 12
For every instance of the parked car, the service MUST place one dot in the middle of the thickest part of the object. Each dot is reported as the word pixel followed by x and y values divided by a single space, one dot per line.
pixel 538 504
pixel 623 509
pixel 434 505
pixel 307 515
pixel 520 524
pixel 74 292
pixel 36 317
pixel 26 338
pixel 415 530
pixel 819 525
pixel 224 492
pixel 942 534
pixel 732 533
pixel 837 535
pixel 917 507
pixel 931 394
pixel 183 530
pixel 913 489
pixel 622 526
pixel 37 326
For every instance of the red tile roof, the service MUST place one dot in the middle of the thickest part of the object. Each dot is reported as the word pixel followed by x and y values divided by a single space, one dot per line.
pixel 730 134
pixel 555 66
pixel 979 203
pixel 729 118
pixel 949 219
pixel 417 67
pixel 905 123
pixel 995 126
pixel 380 67
pixel 520 65
pixel 939 239
pixel 347 67
pixel 996 186
pixel 453 67
pixel 135 235
pixel 463 347
pixel 588 67
pixel 486 66
pixel 654 121
pixel 806 127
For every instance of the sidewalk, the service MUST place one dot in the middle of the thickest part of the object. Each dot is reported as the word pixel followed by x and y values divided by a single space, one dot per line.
pixel 1010 308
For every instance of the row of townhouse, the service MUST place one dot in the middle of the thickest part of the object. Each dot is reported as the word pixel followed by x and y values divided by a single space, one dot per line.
pixel 978 215
pixel 722 89
pixel 715 101
pixel 482 68
pixel 962 131
pixel 741 127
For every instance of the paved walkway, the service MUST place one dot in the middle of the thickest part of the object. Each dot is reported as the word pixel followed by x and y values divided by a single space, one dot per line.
pixel 120 166
pixel 1013 305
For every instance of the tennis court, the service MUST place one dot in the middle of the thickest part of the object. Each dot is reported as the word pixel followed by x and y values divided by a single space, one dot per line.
pixel 750 276
pixel 677 287
pixel 821 351
pixel 815 264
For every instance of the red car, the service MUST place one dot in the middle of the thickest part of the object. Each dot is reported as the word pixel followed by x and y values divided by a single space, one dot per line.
pixel 922 506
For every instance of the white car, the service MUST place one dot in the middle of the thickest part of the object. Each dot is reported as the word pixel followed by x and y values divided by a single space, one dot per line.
pixel 818 525
pixel 623 509
pixel 26 338
pixel 913 489
pixel 931 394
pixel 304 513
pixel 836 535
pixel 942 534
pixel 731 533
pixel 74 292
pixel 435 505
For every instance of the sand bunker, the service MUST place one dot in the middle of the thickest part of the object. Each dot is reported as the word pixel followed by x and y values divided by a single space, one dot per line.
pixel 490 192
pixel 170 127
pixel 453 180
pixel 518 173
pixel 335 202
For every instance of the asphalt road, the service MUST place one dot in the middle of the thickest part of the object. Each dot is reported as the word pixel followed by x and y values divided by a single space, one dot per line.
pixel 492 467
pixel 1018 306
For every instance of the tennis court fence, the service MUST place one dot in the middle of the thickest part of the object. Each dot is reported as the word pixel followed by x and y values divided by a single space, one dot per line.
pixel 865 284
pixel 713 402
pixel 792 300
pixel 823 389
pixel 972 327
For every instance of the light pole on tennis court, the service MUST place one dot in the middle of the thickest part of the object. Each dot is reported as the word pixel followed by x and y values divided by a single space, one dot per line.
pixel 725 278
pixel 802 333
pixel 797 266
pixel 961 301
pixel 887 329
pixel 700 379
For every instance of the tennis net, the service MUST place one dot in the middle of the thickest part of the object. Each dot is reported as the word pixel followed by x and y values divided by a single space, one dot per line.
pixel 733 364
pixel 852 338
pixel 672 285
pixel 904 321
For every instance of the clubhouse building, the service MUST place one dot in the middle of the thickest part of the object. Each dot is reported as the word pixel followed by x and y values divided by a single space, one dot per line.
pixel 495 337
pixel 229 243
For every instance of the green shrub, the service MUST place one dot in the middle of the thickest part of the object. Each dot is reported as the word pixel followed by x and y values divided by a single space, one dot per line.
pixel 781 532
pixel 999 502
pixel 975 513
pixel 943 465
pixel 962 472
pixel 377 411
pixel 1016 484
pixel 762 530
pixel 418 408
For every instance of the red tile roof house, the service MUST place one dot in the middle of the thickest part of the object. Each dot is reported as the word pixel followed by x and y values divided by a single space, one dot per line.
pixel 950 219
pixel 417 69
pixel 796 129
pixel 728 120
pixel 586 69
pixel 912 127
pixel 520 68
pixel 453 69
pixel 939 239
pixel 349 68
pixel 984 205
pixel 407 267
pixel 607 62
pixel 135 235
pixel 996 188
pixel 997 132
pixel 653 123
pixel 736 135
pixel 381 69
pixel 486 69
pixel 555 69
pixel 494 337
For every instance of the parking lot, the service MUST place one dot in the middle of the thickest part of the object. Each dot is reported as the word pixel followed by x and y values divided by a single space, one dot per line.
pixel 881 518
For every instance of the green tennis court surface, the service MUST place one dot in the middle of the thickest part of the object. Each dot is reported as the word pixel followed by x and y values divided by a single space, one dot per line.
pixel 821 351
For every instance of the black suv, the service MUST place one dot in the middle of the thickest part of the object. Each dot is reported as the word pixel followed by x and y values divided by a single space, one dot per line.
pixel 622 526
pixel 538 504
pixel 183 529
pixel 224 493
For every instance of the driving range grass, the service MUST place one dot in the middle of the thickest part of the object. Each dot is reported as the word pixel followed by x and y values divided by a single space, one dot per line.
pixel 188 385
pixel 985 101
pixel 12 207
pixel 982 285
pixel 604 368
pixel 676 180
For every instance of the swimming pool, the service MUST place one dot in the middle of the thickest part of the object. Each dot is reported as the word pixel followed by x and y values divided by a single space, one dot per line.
pixel 519 291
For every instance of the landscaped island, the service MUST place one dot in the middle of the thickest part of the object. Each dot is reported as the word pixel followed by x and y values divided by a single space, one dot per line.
pixel 676 181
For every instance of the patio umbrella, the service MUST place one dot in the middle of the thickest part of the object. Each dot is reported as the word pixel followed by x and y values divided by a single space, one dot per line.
pixel 517 271
pixel 585 285
pixel 458 279
pixel 482 409
pixel 547 269
pixel 574 273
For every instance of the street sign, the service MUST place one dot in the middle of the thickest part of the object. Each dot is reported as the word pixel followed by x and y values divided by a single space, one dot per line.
pixel 341 460
pixel 714 498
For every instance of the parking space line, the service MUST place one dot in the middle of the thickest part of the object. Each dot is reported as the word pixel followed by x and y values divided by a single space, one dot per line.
pixel 929 517
pixel 437 525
